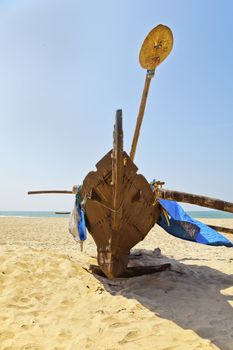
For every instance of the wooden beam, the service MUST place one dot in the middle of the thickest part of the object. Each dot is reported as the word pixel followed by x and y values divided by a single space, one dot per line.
pixel 51 192
pixel 62 212
pixel 117 169
pixel 196 199
pixel 140 116
pixel 221 229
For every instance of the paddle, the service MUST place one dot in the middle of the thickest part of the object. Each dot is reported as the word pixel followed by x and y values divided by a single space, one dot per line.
pixel 155 48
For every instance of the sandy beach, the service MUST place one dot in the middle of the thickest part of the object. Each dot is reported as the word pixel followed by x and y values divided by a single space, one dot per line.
pixel 49 300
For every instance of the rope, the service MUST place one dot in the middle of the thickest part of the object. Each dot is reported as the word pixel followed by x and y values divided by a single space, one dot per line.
pixel 156 186
pixel 150 73
pixel 106 207
pixel 165 213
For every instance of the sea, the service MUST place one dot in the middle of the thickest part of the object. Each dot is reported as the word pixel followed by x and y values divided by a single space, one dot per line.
pixel 205 214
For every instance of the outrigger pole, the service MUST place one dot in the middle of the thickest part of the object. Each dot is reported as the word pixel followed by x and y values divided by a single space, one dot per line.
pixel 73 191
pixel 155 48
pixel 202 201
pixel 51 192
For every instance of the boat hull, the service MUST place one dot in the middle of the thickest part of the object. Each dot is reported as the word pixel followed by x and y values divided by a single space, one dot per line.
pixel 136 212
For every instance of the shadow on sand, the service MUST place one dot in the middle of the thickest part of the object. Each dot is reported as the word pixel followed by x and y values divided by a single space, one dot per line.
pixel 191 296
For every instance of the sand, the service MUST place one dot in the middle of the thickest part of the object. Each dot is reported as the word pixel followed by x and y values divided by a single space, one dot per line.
pixel 48 300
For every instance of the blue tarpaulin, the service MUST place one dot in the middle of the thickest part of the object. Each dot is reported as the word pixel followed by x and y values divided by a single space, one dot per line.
pixel 183 226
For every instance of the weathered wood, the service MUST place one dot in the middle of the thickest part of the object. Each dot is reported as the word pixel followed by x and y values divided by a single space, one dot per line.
pixel 138 213
pixel 117 171
pixel 202 201
pixel 222 229
pixel 140 116
pixel 51 192
pixel 156 47
pixel 62 212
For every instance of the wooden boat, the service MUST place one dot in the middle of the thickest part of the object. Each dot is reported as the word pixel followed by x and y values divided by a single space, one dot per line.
pixel 120 205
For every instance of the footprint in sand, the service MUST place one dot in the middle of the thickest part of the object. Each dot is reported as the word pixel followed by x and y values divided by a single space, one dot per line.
pixel 25 326
pixel 30 347
pixel 65 334
pixel 6 335
pixel 38 296
pixel 24 300
pixel 119 324
pixel 132 335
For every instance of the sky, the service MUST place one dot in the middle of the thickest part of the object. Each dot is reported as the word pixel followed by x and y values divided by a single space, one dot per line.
pixel 67 65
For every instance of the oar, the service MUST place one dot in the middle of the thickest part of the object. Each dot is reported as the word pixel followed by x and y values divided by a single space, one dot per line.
pixel 222 229
pixel 62 212
pixel 155 48
pixel 51 192
pixel 74 191
pixel 196 199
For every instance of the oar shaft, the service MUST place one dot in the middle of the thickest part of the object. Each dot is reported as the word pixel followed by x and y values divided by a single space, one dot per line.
pixel 140 115
pixel 222 229
pixel 202 201
pixel 51 191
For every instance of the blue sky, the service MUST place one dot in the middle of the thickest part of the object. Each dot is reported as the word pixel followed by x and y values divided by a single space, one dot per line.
pixel 67 65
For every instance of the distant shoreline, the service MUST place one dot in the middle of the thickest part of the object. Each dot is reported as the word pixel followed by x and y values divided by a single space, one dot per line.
pixel 205 214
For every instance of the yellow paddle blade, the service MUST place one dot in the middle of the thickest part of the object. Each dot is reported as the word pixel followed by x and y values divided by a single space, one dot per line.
pixel 156 47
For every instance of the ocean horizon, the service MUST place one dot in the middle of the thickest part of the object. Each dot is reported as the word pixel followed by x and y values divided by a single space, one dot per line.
pixel 205 214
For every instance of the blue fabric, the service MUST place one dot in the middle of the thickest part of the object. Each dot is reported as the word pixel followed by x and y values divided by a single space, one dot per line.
pixel 82 225
pixel 184 227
